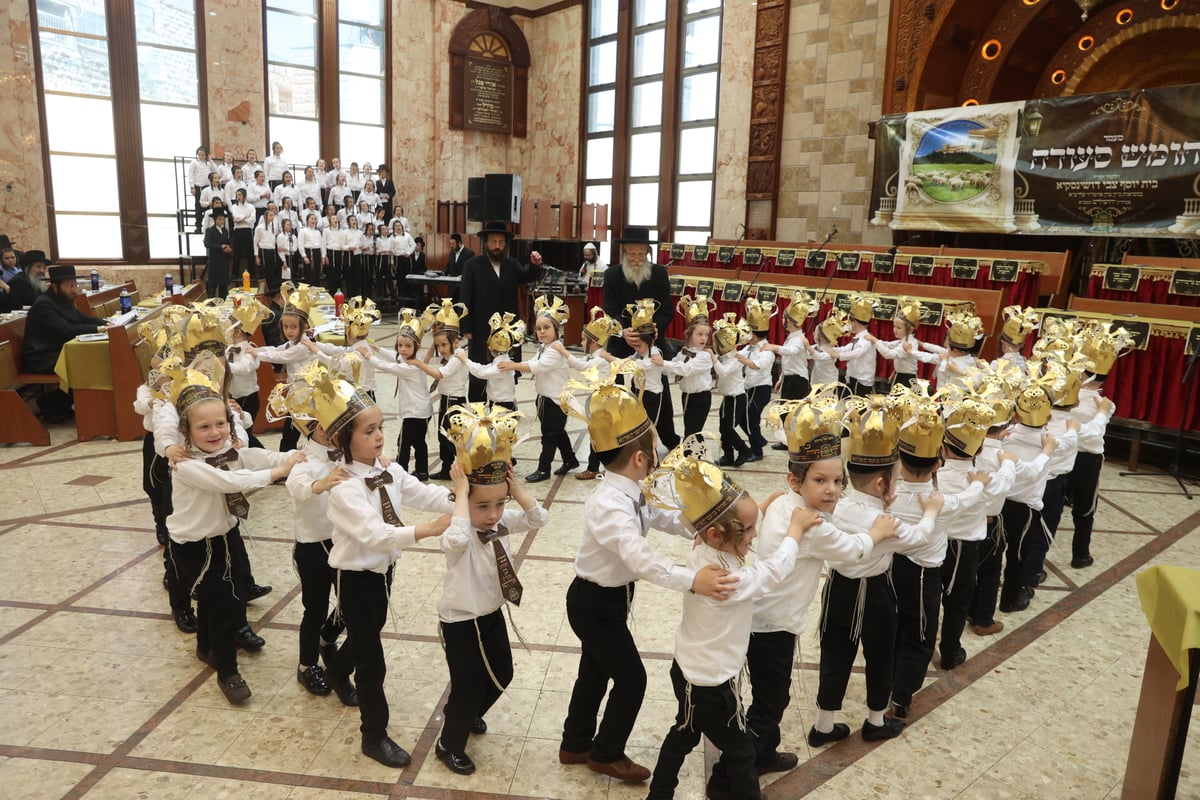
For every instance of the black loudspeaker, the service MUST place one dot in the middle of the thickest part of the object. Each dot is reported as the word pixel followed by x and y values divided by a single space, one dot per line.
pixel 502 197
pixel 476 191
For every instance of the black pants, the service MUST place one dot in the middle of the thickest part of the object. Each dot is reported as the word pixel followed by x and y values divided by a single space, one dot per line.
pixel 316 579
pixel 156 483
pixel 272 266
pixel 732 416
pixel 310 272
pixel 242 241
pixel 839 646
pixel 958 589
pixel 982 611
pixel 220 608
pixel 695 411
pixel 758 398
pixel 199 209
pixel 712 711
pixel 794 387
pixel 554 435
pixel 353 280
pixel 412 442
pixel 1021 526
pixel 363 598
pixel 290 437
pixel 1053 501
pixel 658 409
pixel 860 389
pixel 446 449
pixel 1083 488
pixel 472 690
pixel 903 378
pixel 918 590
pixel 599 617
pixel 250 404
pixel 338 261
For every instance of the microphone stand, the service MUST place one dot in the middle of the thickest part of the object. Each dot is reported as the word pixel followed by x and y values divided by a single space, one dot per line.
pixel 825 289
pixel 1174 468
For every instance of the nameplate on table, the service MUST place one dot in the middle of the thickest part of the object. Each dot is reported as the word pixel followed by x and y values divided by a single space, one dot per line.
pixel 706 288
pixel 965 269
pixel 785 258
pixel 815 259
pixel 752 256
pixel 1139 331
pixel 1122 279
pixel 841 300
pixel 732 292
pixel 768 294
pixel 678 251
pixel 920 266
pixel 1192 344
pixel 1186 282
pixel 598 279
pixel 700 252
pixel 883 264
pixel 849 262
pixel 675 284
pixel 1004 270
pixel 931 313
pixel 725 255
pixel 886 307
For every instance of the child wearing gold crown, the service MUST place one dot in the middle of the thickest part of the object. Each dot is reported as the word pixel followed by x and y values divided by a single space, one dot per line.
pixel 412 388
pixel 905 350
pixel 794 352
pixel 295 321
pixel 208 502
pixel 1018 324
pixel 858 603
pixel 447 365
pixel 713 635
pixel 550 371
pixel 656 391
pixel 859 352
pixel 480 573
pixel 728 334
pixel 758 361
pixel 693 364
pixel 595 336
pixel 506 332
pixel 613 555
pixel 243 367
pixel 358 315
pixel 368 536
pixel 964 338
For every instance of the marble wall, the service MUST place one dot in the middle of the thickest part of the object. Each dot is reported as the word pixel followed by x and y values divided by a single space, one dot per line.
pixel 733 118
pixel 22 182
pixel 837 51
pixel 237 114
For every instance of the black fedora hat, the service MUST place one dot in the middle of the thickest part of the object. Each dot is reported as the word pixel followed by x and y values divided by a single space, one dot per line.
pixel 495 226
pixel 62 272
pixel 634 235
pixel 32 257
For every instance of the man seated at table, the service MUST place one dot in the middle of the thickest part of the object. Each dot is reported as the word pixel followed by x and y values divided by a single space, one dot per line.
pixel 52 322
pixel 31 280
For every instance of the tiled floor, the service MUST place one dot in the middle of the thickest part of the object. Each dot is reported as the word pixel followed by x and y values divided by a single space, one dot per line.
pixel 103 698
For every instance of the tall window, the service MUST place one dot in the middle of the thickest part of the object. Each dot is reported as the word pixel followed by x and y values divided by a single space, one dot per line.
pixel 651 100
pixel 304 51
pixel 110 141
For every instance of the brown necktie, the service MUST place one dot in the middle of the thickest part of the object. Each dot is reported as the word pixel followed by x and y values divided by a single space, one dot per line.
pixel 236 502
pixel 433 386
pixel 385 501
pixel 333 455
pixel 510 586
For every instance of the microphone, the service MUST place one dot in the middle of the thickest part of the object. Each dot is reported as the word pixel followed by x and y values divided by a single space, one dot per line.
pixel 825 289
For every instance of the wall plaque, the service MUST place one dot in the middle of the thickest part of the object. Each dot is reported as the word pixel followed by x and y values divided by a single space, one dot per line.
pixel 1193 342
pixel 849 262
pixel 678 251
pixel 700 253
pixel 752 256
pixel 732 292
pixel 724 255
pixel 1185 282
pixel 488 95
pixel 1122 279
pixel 965 269
pixel 767 294
pixel 675 283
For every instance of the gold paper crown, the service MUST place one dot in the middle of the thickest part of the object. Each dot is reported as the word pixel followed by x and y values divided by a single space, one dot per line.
pixel 998 387
pixel 347 367
pixel 202 379
pixel 1059 328
pixel 602 327
pixel 802 306
pixel 909 310
pixel 1046 347
pixel 968 416
pixel 921 426
pixel 685 482
pixel 359 314
pixel 966 330
pixel 614 415
pixel 447 316
pixel 1034 402
pixel 314 394
pixel 862 308
pixel 874 426
pixel 812 425
pixel 202 330
pixel 696 310
pixel 729 332
pixel 160 376
pixel 1103 344
pixel 552 307
pixel 1069 371
pixel 641 314
pixel 507 332
pixel 250 315
pixel 484 436
pixel 758 315
pixel 300 300
pixel 836 325
pixel 1018 324
pixel 412 324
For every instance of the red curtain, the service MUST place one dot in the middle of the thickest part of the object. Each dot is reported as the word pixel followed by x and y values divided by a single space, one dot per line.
pixel 1146 385
pixel 1148 291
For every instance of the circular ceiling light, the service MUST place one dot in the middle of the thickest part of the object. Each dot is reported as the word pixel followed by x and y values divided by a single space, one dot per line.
pixel 1169 5
pixel 991 49
pixel 1125 16
pixel 970 101
pixel 1058 77
pixel 1086 43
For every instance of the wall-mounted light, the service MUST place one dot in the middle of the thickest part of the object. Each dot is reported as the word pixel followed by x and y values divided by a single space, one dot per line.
pixel 1029 122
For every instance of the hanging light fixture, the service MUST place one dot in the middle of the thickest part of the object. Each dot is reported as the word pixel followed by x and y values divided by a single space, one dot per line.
pixel 1086 6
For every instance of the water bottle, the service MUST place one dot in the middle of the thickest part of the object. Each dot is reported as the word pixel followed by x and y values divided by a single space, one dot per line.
pixel 338 300
pixel 245 280
pixel 126 301
pixel 169 283
pixel 95 280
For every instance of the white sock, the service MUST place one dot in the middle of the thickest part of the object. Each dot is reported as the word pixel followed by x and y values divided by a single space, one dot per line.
pixel 824 721
pixel 875 717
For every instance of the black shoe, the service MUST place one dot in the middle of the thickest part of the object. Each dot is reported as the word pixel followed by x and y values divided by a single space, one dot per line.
pixel 248 639
pixel 1040 578
pixel 479 726
pixel 1020 604
pixel 776 762
pixel 186 620
pixel 255 591
pixel 342 687
pixel 817 739
pixel 954 659
pixel 890 729
pixel 755 456
pixel 725 461
pixel 1079 562
pixel 1027 592
pixel 741 459
pixel 313 679
pixel 565 469
pixel 421 476
pixel 444 475
pixel 387 752
pixel 779 446
pixel 456 762
pixel 537 477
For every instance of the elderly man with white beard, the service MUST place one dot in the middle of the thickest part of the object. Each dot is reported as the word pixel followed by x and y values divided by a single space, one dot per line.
pixel 636 277
pixel 27 283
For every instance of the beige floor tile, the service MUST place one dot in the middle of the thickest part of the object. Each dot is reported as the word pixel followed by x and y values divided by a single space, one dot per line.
pixel 28 714
pixel 28 779
pixel 225 789
pixel 856 783
pixel 121 784
pixel 329 794
pixel 1042 773
pixel 195 734
pixel 96 725
pixel 341 755
pixel 278 743
pixel 496 758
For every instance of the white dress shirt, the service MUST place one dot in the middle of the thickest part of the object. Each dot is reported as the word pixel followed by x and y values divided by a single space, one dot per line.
pixel 305 190
pixel 712 637
pixel 731 381
pixel 412 387
pixel 287 244
pixel 208 193
pixel 786 607
pixel 258 194
pixel 264 238
pixel 763 360
pixel 999 487
pixel 471 586
pixel 1092 424
pixel 274 166
pixel 326 353
pixel 651 377
pixel 144 402
pixel 455 377
pixel 198 172
pixel 294 357
pixel 907 508
pixel 243 370
pixel 242 215
pixel 248 170
pixel 281 191
pixel 794 353
pixel 198 491
pixel 361 539
pixel 1062 460
pixel 310 518
pixel 904 361
pixel 227 172
pixel 231 190
pixel 1033 467
pixel 335 241
pixel 694 370
pixel 859 356
pixel 613 550
pixel 856 513
pixel 501 388
pixel 550 371
pixel 311 239
pixel 969 523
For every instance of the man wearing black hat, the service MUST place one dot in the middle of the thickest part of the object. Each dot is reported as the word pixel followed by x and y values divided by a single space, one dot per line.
pixel 220 250
pixel 459 255
pixel 489 286
pixel 30 281
pixel 52 322
pixel 385 188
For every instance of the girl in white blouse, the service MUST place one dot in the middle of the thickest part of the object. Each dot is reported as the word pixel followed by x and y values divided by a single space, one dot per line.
pixel 286 188
pixel 250 166
pixel 369 196
pixel 288 248
pixel 242 236
pixel 339 190
pixel 266 257
pixel 198 171
pixel 368 256
pixel 312 253
pixel 226 169
pixel 309 187
pixel 693 366
pixel 336 252
pixel 293 323
pixel 213 189
pixel 353 242
pixel 355 180
pixel 287 210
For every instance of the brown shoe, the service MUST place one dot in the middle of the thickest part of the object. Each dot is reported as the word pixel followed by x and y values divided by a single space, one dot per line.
pixel 623 769
pixel 988 630
pixel 567 757
pixel 586 475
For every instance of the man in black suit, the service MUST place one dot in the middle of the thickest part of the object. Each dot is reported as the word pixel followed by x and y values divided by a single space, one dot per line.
pixel 489 286
pixel 220 250
pixel 385 188
pixel 459 255
pixel 31 280
pixel 52 322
